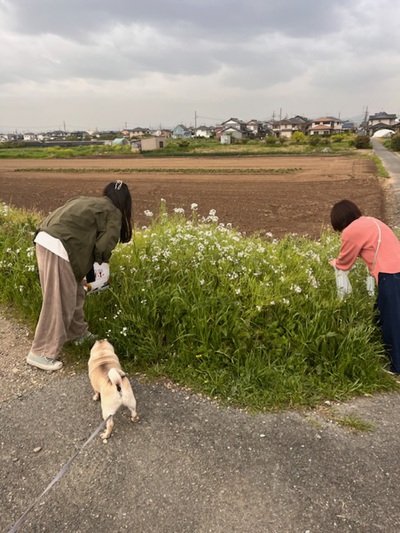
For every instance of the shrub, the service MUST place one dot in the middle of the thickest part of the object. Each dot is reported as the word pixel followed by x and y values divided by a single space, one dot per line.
pixel 183 143
pixel 362 142
pixel 338 138
pixel 395 142
pixel 298 137
pixel 270 139
pixel 314 140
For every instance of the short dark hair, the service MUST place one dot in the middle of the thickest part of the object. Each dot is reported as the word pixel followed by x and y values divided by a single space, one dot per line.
pixel 344 213
pixel 120 196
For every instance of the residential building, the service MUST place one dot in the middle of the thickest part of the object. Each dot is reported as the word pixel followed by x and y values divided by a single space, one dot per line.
pixel 205 131
pixel 30 137
pixel 325 126
pixel 181 132
pixel 287 126
pixel 381 120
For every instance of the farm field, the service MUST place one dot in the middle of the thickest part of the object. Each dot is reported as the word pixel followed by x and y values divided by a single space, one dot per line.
pixel 280 195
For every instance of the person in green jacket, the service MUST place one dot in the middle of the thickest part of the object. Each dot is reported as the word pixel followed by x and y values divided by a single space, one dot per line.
pixel 68 242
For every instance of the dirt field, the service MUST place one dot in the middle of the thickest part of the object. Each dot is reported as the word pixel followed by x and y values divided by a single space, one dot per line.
pixel 296 202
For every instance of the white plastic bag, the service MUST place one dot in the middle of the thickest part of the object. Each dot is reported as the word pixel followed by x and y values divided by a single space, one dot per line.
pixel 343 284
pixel 370 282
pixel 102 279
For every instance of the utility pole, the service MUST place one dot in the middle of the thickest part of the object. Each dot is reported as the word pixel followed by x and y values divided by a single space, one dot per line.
pixel 365 122
pixel 195 120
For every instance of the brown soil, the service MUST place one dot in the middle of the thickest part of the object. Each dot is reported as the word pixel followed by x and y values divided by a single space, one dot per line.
pixel 295 202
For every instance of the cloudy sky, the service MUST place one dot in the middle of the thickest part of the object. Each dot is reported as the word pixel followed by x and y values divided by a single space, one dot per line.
pixel 86 64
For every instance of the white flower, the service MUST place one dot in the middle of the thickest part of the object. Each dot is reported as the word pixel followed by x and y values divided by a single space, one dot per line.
pixel 194 207
pixel 295 288
pixel 148 213
pixel 179 210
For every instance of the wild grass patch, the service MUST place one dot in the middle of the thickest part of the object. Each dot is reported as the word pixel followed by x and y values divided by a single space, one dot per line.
pixel 252 322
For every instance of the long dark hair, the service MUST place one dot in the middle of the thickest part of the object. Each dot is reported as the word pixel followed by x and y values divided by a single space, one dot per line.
pixel 344 213
pixel 120 196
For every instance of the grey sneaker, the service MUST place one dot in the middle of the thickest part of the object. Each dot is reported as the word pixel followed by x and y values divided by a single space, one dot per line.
pixel 44 363
pixel 88 337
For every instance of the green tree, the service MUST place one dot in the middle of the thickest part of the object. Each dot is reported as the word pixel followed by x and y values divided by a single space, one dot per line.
pixel 298 137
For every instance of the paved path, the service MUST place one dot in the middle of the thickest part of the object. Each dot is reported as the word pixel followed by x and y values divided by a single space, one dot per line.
pixel 190 467
pixel 391 162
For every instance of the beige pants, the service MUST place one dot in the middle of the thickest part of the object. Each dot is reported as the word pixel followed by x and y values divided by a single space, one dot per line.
pixel 61 317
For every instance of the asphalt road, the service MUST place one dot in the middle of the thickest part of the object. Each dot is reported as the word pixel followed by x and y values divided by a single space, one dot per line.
pixel 189 466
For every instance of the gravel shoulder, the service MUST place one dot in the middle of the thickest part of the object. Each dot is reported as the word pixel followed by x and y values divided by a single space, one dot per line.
pixel 16 377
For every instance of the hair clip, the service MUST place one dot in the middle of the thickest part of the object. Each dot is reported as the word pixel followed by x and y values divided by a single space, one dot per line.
pixel 118 185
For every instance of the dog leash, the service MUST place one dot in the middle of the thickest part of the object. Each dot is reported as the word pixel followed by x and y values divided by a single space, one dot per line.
pixel 16 527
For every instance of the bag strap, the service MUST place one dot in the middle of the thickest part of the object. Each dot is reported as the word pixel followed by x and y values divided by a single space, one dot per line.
pixel 378 243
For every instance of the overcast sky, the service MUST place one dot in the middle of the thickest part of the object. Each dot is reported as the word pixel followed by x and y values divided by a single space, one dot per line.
pixel 86 64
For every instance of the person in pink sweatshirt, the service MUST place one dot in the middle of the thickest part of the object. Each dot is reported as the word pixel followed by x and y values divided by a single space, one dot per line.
pixel 379 248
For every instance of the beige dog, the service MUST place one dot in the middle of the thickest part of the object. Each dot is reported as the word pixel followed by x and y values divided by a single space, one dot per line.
pixel 110 384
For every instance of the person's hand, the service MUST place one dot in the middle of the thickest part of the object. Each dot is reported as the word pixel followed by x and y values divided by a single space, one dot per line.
pixel 101 281
pixel 332 262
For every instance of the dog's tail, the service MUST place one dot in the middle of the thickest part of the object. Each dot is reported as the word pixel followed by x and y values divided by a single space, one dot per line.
pixel 115 376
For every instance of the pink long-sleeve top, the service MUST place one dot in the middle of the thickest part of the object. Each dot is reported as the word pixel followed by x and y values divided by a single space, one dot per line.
pixel 360 239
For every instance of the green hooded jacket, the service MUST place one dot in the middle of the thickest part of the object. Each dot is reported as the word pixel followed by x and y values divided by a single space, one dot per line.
pixel 89 229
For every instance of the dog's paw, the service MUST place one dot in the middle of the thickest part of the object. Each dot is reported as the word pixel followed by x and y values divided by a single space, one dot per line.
pixel 134 418
pixel 96 396
pixel 105 435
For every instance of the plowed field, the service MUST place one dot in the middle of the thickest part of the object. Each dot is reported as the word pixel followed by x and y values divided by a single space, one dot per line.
pixel 256 194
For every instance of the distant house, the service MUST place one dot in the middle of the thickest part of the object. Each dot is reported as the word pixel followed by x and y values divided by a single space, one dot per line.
pixel 234 127
pixel 55 135
pixel 381 120
pixel 30 137
pixel 153 143
pixel 235 123
pixel 162 133
pixel 205 131
pixel 181 132
pixel 255 126
pixel 233 132
pixel 258 128
pixel 348 127
pixel 287 126
pixel 325 126
pixel 135 132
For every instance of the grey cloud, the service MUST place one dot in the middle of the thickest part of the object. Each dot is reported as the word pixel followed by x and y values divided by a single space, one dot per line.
pixel 227 19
